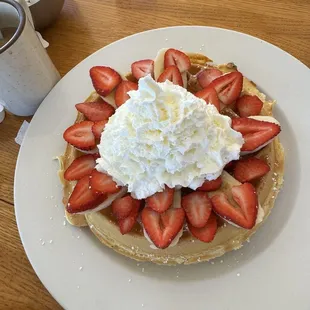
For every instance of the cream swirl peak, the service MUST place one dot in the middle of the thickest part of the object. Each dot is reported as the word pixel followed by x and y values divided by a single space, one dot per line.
pixel 164 135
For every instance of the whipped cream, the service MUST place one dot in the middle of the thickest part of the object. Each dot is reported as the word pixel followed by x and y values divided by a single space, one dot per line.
pixel 164 135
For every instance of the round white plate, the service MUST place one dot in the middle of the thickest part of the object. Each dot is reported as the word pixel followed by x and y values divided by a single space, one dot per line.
pixel 270 272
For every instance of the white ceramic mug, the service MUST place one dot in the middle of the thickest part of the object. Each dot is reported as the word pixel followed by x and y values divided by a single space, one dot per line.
pixel 27 74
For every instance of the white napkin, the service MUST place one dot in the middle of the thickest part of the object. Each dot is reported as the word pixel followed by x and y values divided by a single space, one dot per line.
pixel 21 133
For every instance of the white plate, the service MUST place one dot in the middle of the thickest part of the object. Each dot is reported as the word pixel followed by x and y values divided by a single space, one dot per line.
pixel 271 272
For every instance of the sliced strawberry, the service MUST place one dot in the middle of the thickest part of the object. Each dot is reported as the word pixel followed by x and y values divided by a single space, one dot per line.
pixel 255 133
pixel 228 87
pixel 171 73
pixel 95 111
pixel 98 128
pixel 230 166
pixel 206 76
pixel 161 201
pixel 209 186
pixel 80 135
pixel 162 228
pixel 142 68
pixel 209 95
pixel 177 58
pixel 122 207
pixel 249 169
pixel 103 183
pixel 246 198
pixel 206 233
pixel 249 105
pixel 126 224
pixel 83 198
pixel 198 207
pixel 104 79
pixel 80 167
pixel 121 93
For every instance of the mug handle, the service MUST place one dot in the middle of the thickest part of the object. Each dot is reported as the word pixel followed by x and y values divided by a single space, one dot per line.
pixel 24 4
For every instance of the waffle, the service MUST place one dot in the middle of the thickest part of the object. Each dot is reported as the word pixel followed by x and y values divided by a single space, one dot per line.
pixel 188 250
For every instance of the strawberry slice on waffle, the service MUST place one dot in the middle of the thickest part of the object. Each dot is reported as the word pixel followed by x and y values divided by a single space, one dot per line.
pixel 142 68
pixel 121 93
pixel 81 167
pixel 80 135
pixel 209 95
pixel 256 134
pixel 242 211
pixel 162 228
pixel 104 79
pixel 95 111
pixel 228 87
pixel 249 169
pixel 207 232
pixel 173 74
pixel 83 198
pixel 249 105
pixel 161 201
pixel 197 207
pixel 206 76
pixel 177 58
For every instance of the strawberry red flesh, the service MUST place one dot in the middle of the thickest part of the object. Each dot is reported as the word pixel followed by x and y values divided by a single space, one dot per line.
pixel 98 128
pixel 176 58
pixel 122 207
pixel 102 183
pixel 171 73
pixel 249 105
pixel 162 228
pixel 209 95
pixel 161 201
pixel 249 169
pixel 83 198
pixel 126 224
pixel 255 133
pixel 206 233
pixel 245 196
pixel 121 93
pixel 142 68
pixel 81 167
pixel 80 135
pixel 198 207
pixel 228 87
pixel 209 186
pixel 206 76
pixel 104 79
pixel 95 111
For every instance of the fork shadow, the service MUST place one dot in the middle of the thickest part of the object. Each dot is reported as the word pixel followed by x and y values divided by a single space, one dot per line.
pixel 235 260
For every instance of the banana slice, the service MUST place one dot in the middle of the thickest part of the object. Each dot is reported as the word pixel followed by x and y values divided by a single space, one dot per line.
pixel 159 63
pixel 110 99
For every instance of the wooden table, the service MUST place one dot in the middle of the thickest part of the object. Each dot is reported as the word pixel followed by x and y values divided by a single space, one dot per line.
pixel 87 25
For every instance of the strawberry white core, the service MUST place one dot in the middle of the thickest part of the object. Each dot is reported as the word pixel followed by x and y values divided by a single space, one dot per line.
pixel 164 135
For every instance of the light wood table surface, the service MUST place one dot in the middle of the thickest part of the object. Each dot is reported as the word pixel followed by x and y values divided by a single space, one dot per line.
pixel 87 25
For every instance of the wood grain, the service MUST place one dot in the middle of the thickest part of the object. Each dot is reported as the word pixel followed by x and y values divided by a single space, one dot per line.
pixel 20 288
pixel 87 25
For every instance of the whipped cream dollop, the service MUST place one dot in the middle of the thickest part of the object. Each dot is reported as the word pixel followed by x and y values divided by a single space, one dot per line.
pixel 164 135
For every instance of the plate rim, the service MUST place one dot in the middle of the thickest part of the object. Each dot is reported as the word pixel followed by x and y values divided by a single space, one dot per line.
pixel 17 167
